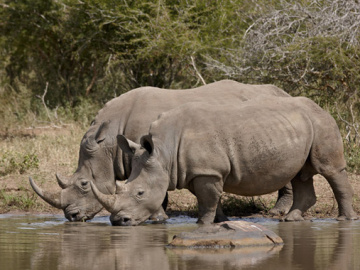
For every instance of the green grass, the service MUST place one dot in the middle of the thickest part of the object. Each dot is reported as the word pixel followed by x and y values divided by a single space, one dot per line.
pixel 16 162
pixel 352 155
pixel 23 200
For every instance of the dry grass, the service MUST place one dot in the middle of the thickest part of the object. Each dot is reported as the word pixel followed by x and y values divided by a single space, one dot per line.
pixel 56 151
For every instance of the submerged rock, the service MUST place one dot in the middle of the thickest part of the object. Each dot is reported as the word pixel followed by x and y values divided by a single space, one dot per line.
pixel 229 234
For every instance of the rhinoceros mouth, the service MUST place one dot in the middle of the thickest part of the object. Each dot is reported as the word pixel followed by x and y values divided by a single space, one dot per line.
pixel 126 220
pixel 75 215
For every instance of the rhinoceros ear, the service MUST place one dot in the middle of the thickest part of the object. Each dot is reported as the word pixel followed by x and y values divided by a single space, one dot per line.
pixel 147 142
pixel 127 145
pixel 102 131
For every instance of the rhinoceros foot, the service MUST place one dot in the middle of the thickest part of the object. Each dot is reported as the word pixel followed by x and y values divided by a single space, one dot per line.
pixel 227 234
pixel 294 215
pixel 352 216
pixel 282 206
pixel 284 201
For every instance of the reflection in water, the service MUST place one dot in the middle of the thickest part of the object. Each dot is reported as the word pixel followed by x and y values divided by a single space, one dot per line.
pixel 321 244
pixel 240 258
pixel 48 242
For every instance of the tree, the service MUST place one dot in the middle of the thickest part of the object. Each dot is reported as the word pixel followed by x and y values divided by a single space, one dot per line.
pixel 308 47
pixel 102 48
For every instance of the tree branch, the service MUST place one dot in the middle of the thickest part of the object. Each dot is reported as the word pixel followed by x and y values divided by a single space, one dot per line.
pixel 43 101
pixel 196 70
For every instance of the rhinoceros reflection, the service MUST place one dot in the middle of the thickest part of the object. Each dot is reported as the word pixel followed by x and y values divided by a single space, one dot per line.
pixel 308 245
pixel 99 246
pixel 312 245
pixel 222 258
pixel 91 247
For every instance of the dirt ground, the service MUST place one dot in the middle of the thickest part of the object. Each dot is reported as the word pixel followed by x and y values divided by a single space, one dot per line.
pixel 57 151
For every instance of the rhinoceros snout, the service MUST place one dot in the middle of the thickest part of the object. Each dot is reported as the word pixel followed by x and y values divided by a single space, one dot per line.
pixel 74 216
pixel 121 221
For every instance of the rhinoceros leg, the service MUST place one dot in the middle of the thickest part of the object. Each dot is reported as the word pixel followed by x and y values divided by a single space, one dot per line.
pixel 343 194
pixel 208 192
pixel 304 197
pixel 220 216
pixel 284 201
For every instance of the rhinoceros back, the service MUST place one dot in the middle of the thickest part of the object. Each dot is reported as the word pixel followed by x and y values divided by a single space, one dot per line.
pixel 132 113
pixel 246 145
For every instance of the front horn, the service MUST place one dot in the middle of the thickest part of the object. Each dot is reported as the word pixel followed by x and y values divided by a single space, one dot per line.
pixel 108 201
pixel 53 199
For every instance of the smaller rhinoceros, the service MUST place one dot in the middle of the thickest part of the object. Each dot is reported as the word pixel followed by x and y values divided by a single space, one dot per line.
pixel 252 148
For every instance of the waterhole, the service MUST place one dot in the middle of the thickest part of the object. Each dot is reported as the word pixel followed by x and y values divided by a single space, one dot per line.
pixel 50 242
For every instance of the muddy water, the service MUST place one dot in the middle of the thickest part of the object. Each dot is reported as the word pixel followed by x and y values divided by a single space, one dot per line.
pixel 49 242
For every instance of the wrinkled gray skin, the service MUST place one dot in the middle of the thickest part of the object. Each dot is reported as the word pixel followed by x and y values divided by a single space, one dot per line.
pixel 252 148
pixel 102 161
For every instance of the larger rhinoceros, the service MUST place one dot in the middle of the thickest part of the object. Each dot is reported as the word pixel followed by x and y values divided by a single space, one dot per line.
pixel 252 148
pixel 102 161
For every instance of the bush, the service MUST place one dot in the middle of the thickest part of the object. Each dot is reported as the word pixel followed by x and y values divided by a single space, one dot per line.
pixel 87 52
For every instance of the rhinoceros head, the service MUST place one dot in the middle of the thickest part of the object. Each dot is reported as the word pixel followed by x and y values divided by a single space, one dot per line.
pixel 142 194
pixel 96 164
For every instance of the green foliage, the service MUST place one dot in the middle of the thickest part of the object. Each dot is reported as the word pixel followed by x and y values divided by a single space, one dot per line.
pixel 308 48
pixel 15 107
pixel 101 48
pixel 11 162
pixel 25 201
pixel 87 52
pixel 83 112
pixel 352 154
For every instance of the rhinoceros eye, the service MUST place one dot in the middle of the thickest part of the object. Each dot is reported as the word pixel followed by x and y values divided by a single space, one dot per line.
pixel 140 193
pixel 84 183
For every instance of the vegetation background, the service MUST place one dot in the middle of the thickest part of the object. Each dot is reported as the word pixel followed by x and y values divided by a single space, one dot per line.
pixel 62 60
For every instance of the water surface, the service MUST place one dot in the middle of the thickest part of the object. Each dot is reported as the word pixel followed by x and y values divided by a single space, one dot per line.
pixel 50 242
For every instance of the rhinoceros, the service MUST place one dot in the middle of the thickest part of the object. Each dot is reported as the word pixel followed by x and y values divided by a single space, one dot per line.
pixel 252 148
pixel 130 114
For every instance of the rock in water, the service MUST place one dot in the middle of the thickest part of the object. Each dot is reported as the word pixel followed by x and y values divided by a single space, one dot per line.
pixel 229 234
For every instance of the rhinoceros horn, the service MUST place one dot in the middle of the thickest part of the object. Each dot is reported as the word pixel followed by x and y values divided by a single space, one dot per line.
pixel 63 182
pixel 120 186
pixel 53 199
pixel 108 201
